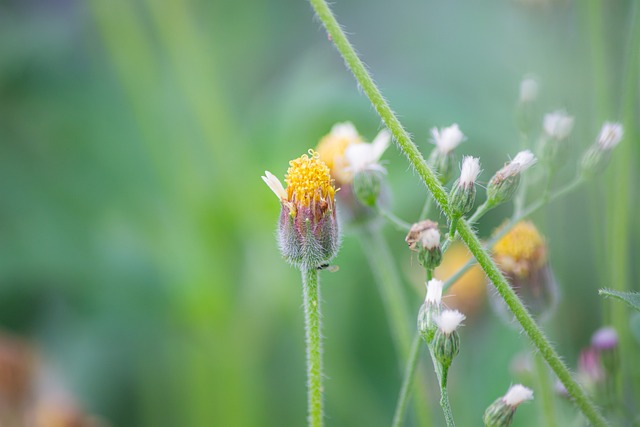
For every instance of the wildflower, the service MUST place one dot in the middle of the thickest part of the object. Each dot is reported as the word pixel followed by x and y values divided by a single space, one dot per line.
pixel 505 182
pixel 441 158
pixel 332 148
pixel 522 256
pixel 463 192
pixel 558 125
pixel 596 158
pixel 605 341
pixel 590 369
pixel 363 160
pixel 528 90
pixel 430 309
pixel 424 238
pixel 500 413
pixel 557 128
pixel 308 230
pixel 446 341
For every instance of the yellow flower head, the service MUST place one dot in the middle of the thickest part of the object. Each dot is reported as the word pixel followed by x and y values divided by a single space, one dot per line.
pixel 309 181
pixel 332 147
pixel 521 250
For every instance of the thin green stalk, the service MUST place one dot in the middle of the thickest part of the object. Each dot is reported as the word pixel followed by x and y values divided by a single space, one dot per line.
pixel 442 375
pixel 426 209
pixel 407 381
pixel 395 306
pixel 312 319
pixel 480 211
pixel 398 223
pixel 439 194
pixel 545 392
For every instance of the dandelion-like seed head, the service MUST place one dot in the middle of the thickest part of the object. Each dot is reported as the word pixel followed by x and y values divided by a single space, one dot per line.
pixel 558 124
pixel 610 135
pixel 434 292
pixel 469 171
pixel 449 320
pixel 516 395
pixel 447 139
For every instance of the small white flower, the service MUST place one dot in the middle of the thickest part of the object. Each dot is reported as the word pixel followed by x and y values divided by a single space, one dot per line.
pixel 275 185
pixel 345 130
pixel 516 395
pixel 430 238
pixel 447 139
pixel 610 135
pixel 364 156
pixel 558 124
pixel 528 90
pixel 449 320
pixel 469 171
pixel 434 292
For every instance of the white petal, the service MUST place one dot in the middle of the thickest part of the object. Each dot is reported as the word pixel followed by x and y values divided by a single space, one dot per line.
pixel 558 124
pixel 345 130
pixel 447 138
pixel 275 185
pixel 434 291
pixel 380 144
pixel 449 320
pixel 517 394
pixel 469 171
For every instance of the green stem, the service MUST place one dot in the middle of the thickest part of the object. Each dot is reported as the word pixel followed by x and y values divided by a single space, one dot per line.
pixel 480 211
pixel 439 194
pixel 311 288
pixel 452 228
pixel 407 381
pixel 545 391
pixel 444 399
pixel 398 223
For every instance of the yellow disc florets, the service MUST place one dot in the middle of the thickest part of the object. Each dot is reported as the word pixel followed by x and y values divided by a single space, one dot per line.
pixel 309 180
pixel 521 249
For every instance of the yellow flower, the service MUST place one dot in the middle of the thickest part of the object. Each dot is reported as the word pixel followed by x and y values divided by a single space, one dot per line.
pixel 332 148
pixel 521 251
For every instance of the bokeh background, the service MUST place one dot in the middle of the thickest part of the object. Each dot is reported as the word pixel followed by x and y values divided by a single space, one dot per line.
pixel 139 275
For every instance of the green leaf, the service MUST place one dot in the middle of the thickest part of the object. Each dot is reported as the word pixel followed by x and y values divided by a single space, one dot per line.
pixel 631 298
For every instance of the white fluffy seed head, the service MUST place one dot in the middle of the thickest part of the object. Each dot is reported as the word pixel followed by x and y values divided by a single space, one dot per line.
pixel 469 171
pixel 610 135
pixel 528 90
pixel 430 238
pixel 434 292
pixel 517 394
pixel 558 124
pixel 447 139
pixel 522 161
pixel 449 320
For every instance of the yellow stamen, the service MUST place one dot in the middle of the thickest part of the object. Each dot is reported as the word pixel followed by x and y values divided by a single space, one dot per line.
pixel 522 248
pixel 309 180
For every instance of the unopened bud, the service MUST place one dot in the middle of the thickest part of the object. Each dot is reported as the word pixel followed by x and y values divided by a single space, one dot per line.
pixel 463 193
pixel 430 309
pixel 557 128
pixel 441 159
pixel 367 185
pixel 505 182
pixel 446 341
pixel 528 90
pixel 596 158
pixel 605 340
pixel 500 413
pixel 424 238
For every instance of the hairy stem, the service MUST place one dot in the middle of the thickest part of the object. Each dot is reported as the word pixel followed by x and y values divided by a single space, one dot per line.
pixel 312 319
pixel 439 194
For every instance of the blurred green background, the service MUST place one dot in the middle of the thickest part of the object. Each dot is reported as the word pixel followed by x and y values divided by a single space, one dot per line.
pixel 137 249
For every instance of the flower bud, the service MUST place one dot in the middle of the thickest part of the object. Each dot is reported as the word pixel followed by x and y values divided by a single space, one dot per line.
pixel 557 128
pixel 424 238
pixel 446 341
pixel 441 158
pixel 308 232
pixel 500 413
pixel 590 369
pixel 521 254
pixel 366 186
pixel 463 192
pixel 596 158
pixel 528 90
pixel 505 182
pixel 605 340
pixel 430 309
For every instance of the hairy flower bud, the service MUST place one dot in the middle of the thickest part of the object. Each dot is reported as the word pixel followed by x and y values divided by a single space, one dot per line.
pixel 596 158
pixel 308 229
pixel 430 309
pixel 463 192
pixel 424 238
pixel 441 159
pixel 500 413
pixel 557 128
pixel 505 182
pixel 446 341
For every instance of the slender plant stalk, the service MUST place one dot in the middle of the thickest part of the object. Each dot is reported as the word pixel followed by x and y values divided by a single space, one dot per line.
pixel 426 209
pixel 545 392
pixel 407 381
pixel 312 319
pixel 398 223
pixel 395 305
pixel 439 194
pixel 442 375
